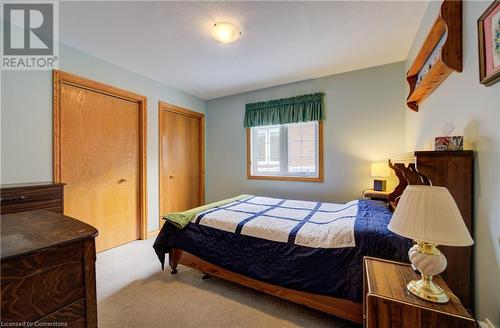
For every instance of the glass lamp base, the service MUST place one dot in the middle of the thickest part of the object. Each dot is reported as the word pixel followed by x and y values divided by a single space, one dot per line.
pixel 427 290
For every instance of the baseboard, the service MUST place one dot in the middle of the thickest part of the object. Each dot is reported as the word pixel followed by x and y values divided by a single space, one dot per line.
pixel 153 234
pixel 486 324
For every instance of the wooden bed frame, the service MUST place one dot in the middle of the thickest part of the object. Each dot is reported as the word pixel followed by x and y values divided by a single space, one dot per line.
pixel 405 169
pixel 337 306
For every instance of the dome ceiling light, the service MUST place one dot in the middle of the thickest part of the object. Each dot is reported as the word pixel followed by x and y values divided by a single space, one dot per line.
pixel 225 32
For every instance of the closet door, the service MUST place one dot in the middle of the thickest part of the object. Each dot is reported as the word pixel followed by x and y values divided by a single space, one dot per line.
pixel 181 143
pixel 100 162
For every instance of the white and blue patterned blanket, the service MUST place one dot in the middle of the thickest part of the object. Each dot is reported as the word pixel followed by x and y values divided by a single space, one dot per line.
pixel 303 223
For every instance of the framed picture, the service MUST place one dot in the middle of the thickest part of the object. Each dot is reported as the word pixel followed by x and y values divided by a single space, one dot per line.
pixel 489 44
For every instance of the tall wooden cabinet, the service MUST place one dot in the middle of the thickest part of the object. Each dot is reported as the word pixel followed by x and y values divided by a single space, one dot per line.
pixel 453 170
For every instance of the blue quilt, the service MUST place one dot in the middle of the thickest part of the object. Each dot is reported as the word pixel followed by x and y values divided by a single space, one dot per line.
pixel 325 270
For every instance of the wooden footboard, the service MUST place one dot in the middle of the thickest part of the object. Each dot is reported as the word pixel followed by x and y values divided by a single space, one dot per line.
pixel 337 306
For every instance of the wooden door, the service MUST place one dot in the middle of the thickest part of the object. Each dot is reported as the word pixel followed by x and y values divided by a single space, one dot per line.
pixel 181 143
pixel 100 162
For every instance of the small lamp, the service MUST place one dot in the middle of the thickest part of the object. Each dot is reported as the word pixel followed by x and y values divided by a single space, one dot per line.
pixel 380 170
pixel 430 216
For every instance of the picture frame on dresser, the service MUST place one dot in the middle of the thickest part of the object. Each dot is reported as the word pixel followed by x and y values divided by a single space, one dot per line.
pixel 488 29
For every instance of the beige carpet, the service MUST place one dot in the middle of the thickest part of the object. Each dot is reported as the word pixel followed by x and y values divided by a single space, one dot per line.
pixel 132 291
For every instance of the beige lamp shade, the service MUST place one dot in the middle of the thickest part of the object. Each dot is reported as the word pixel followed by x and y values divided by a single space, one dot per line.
pixel 380 170
pixel 430 214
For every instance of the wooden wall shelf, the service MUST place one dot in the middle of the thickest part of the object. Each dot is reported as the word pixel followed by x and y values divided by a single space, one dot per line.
pixel 444 42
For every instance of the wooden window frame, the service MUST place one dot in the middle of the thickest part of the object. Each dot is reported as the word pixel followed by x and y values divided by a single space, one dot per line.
pixel 319 178
pixel 58 79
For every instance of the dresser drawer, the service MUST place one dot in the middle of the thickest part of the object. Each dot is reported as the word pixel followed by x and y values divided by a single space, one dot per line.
pixel 72 316
pixel 32 198
pixel 25 265
pixel 42 293
pixel 40 283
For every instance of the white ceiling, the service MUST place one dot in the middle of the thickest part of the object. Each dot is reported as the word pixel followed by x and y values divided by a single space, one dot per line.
pixel 282 42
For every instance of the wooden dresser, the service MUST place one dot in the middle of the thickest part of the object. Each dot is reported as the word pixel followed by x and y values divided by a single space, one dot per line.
pixel 47 270
pixel 32 196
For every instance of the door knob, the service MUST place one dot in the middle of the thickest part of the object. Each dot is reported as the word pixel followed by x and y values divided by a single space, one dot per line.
pixel 122 180
pixel 171 177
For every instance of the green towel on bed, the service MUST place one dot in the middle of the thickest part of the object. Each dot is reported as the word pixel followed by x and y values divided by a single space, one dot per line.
pixel 181 219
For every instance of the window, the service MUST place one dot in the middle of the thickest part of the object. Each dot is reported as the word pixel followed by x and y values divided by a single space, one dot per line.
pixel 285 152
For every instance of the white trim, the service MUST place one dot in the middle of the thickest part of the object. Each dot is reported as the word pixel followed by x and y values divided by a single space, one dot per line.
pixel 486 323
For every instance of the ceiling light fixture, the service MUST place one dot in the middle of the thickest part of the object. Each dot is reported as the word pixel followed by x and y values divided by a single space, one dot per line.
pixel 225 32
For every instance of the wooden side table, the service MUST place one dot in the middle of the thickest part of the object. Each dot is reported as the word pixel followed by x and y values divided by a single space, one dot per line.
pixel 387 303
pixel 376 195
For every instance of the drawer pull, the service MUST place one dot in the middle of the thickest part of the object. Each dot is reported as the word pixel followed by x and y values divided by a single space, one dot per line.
pixel 15 197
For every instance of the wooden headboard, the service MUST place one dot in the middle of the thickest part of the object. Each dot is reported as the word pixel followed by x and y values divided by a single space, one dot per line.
pixel 453 170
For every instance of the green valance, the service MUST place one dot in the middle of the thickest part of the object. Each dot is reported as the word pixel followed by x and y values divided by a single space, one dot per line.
pixel 287 110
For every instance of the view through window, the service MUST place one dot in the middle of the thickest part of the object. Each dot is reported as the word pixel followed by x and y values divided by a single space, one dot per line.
pixel 285 150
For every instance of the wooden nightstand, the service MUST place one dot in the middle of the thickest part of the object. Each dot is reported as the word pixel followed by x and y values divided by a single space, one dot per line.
pixel 387 303
pixel 376 195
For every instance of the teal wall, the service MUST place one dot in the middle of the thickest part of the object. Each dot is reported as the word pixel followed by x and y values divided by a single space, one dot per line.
pixel 26 117
pixel 475 111
pixel 364 123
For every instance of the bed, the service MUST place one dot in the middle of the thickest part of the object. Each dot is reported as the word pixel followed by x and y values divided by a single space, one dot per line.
pixel 307 252
pixel 325 277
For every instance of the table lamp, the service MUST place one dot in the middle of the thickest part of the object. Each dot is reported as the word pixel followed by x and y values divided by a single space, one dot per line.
pixel 380 170
pixel 430 216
